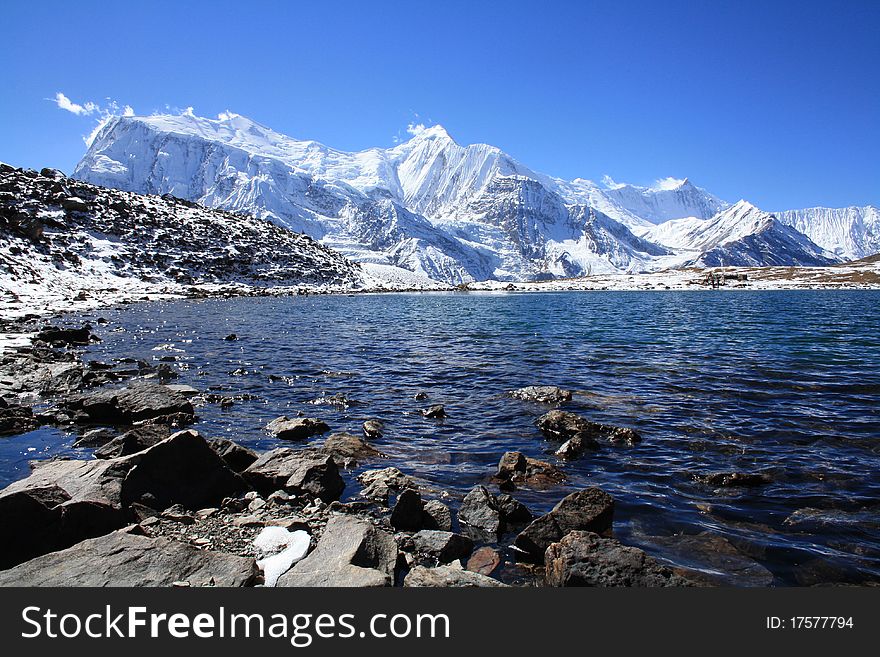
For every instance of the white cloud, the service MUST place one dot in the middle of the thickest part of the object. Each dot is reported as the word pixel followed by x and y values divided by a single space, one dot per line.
pixel 416 128
pixel 68 105
pixel 610 183
pixel 667 184
pixel 227 115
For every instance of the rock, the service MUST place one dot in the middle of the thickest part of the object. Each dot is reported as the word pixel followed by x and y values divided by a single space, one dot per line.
pixel 177 513
pixel 379 484
pixel 579 434
pixel 66 336
pixel 54 174
pixel 447 576
pixel 298 428
pixel 591 510
pixel 712 559
pixel 298 472
pixel 373 429
pixel 443 546
pixel 133 441
pixel 734 479
pixel 15 418
pixel 408 511
pixel 479 511
pixel 542 394
pixel 351 552
pixel 231 337
pixel 182 469
pixel 437 411
pixel 437 516
pixel 519 469
pixel 131 404
pixel 235 456
pixel 74 204
pixel 348 448
pixel 41 519
pixel 420 396
pixel 512 511
pixel 124 559
pixel 182 389
pixel 583 558
pixel 484 561
pixel 95 437
pixel 166 373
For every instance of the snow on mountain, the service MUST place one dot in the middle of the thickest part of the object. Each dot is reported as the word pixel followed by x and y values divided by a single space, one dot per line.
pixel 850 233
pixel 429 205
pixel 668 199
pixel 741 235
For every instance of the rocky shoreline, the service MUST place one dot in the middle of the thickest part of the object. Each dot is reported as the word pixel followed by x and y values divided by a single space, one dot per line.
pixel 159 504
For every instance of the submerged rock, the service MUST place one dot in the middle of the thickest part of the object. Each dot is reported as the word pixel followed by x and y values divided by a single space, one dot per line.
pixel 347 448
pixel 734 479
pixel 591 510
pixel 351 552
pixel 583 558
pixel 542 394
pixel 298 428
pixel 580 434
pixel 373 429
pixel 125 559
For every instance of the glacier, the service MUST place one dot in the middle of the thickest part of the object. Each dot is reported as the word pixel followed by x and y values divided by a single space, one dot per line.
pixel 448 212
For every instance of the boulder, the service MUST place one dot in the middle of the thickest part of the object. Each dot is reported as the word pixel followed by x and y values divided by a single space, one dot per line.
pixel 296 471
pixel 580 434
pixel 437 516
pixel 488 516
pixel 373 429
pixel 484 561
pixel 583 558
pixel 437 411
pixel 128 405
pixel 408 511
pixel 66 336
pixel 15 418
pixel 591 509
pixel 235 456
pixel 448 576
pixel 348 448
pixel 126 559
pixel 542 394
pixel 520 470
pixel 351 552
pixel 133 441
pixel 298 428
pixel 379 484
pixel 443 546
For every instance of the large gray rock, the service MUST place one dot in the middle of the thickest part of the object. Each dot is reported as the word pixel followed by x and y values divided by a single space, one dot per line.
pixel 133 441
pixel 487 516
pixel 580 434
pixel 542 394
pixel 236 456
pixel 124 559
pixel 347 448
pixel 296 471
pixel 63 502
pixel 298 428
pixel 379 484
pixel 131 404
pixel 15 418
pixel 591 510
pixel 583 558
pixel 351 552
pixel 448 576
pixel 437 516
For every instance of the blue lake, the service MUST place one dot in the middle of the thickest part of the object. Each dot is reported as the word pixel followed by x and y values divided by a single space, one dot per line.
pixel 785 383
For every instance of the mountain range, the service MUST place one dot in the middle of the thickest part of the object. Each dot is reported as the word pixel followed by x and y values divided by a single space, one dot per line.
pixel 456 213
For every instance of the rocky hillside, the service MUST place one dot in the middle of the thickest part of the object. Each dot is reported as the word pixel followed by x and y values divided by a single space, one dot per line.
pixel 65 237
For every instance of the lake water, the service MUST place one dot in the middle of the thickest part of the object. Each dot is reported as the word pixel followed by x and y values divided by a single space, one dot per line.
pixel 786 383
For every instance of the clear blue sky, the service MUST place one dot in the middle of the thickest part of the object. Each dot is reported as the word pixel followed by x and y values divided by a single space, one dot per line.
pixel 777 102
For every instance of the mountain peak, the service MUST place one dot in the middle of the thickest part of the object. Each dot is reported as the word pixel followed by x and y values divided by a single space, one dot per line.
pixel 422 132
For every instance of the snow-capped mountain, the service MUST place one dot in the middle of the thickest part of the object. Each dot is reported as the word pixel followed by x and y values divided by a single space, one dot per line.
pixel 429 205
pixel 668 199
pixel 741 235
pixel 850 233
